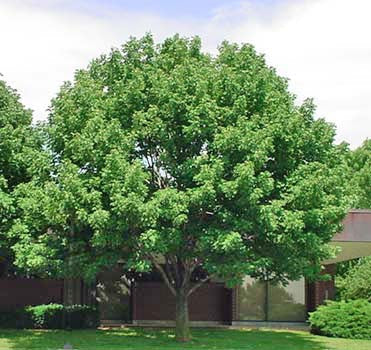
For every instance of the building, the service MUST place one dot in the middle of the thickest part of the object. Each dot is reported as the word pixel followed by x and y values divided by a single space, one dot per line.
pixel 150 301
pixel 252 302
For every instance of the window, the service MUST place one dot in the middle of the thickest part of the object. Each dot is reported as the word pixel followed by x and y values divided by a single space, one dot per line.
pixel 251 300
pixel 263 301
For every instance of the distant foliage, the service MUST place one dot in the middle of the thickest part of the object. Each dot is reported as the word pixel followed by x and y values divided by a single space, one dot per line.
pixel 343 319
pixel 359 174
pixel 356 283
pixel 343 267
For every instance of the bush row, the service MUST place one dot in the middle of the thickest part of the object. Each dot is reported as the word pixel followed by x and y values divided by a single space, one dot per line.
pixel 51 316
pixel 343 319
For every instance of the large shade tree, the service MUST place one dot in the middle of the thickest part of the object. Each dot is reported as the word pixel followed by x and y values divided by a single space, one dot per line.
pixel 18 142
pixel 167 158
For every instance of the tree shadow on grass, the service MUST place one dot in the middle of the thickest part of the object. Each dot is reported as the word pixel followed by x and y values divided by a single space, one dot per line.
pixel 158 339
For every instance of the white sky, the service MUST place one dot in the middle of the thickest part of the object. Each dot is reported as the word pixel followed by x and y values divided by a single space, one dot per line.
pixel 323 46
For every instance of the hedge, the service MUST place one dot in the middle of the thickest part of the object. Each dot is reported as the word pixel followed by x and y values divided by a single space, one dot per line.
pixel 51 316
pixel 343 319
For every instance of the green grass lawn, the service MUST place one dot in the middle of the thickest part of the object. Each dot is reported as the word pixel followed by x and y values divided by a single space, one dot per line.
pixel 159 339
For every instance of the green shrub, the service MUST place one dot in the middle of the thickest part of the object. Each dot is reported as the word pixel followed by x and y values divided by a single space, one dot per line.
pixel 51 316
pixel 81 316
pixel 48 316
pixel 343 319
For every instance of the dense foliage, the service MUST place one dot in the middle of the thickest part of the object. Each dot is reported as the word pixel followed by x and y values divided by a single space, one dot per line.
pixel 343 319
pixel 51 316
pixel 356 283
pixel 45 316
pixel 165 157
pixel 359 175
pixel 18 144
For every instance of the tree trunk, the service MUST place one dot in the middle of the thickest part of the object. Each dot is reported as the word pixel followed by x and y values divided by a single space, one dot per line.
pixel 182 331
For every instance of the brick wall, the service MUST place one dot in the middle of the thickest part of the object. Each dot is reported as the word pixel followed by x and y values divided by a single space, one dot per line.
pixel 319 291
pixel 154 301
pixel 19 292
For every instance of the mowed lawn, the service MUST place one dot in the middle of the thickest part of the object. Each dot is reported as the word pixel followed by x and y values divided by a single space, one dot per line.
pixel 159 339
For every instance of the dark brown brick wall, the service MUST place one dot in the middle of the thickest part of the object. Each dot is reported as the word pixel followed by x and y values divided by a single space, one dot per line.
pixel 19 292
pixel 319 291
pixel 154 301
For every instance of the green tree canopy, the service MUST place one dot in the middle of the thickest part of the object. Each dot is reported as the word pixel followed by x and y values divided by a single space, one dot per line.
pixel 356 283
pixel 169 158
pixel 16 147
pixel 359 173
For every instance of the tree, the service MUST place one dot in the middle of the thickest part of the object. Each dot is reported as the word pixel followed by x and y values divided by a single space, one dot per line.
pixel 17 142
pixel 359 173
pixel 168 158
pixel 356 283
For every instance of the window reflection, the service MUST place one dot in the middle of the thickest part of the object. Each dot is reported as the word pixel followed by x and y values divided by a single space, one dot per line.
pixel 287 303
pixel 251 296
pixel 261 301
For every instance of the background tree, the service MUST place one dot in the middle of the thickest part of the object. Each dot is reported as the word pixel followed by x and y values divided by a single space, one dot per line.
pixel 171 159
pixel 17 142
pixel 356 281
pixel 359 175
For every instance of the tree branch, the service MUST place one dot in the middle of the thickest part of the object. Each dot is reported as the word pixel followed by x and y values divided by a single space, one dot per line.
pixel 199 284
pixel 186 277
pixel 176 270
pixel 163 274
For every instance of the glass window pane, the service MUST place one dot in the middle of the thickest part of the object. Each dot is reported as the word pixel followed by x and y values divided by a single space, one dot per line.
pixel 287 303
pixel 251 300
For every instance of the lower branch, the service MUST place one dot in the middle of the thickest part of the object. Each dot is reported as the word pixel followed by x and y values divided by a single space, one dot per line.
pixel 163 274
pixel 199 284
